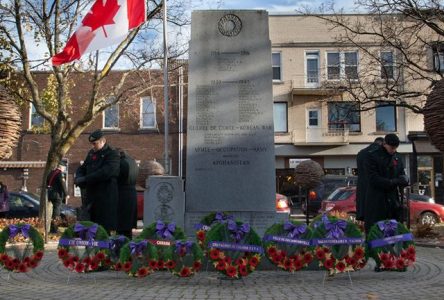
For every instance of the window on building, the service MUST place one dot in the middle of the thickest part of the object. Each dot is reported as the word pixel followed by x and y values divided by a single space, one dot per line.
pixel 35 119
pixel 344 115
pixel 314 118
pixel 312 65
pixel 111 116
pixel 147 113
pixel 342 65
pixel 280 116
pixel 387 65
pixel 276 63
pixel 438 57
pixel 386 117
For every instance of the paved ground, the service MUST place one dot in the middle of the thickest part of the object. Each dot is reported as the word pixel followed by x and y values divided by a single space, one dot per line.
pixel 52 281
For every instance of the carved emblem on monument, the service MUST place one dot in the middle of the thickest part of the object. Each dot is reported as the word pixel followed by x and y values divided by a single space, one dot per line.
pixel 164 212
pixel 164 192
pixel 230 25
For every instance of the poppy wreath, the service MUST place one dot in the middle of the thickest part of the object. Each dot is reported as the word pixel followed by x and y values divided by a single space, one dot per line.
pixel 162 236
pixel 184 258
pixel 84 247
pixel 25 260
pixel 138 258
pixel 391 245
pixel 339 245
pixel 234 248
pixel 287 245
pixel 205 225
pixel 116 242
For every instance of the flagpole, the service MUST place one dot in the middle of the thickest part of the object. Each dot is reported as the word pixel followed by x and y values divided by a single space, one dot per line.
pixel 165 87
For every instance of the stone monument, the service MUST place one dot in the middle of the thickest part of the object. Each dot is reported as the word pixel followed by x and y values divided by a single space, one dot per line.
pixel 230 136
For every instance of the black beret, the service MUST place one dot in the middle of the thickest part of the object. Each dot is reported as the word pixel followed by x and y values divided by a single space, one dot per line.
pixel 95 135
pixel 392 140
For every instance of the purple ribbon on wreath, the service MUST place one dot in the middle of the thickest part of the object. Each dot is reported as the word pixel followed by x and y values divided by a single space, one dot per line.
pixel 294 231
pixel 14 230
pixel 334 229
pixel 137 248
pixel 238 232
pixel 165 231
pixel 115 243
pixel 220 217
pixel 388 228
pixel 86 232
pixel 184 244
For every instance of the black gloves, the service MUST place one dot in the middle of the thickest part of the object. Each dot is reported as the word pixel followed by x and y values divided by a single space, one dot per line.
pixel 401 181
pixel 79 180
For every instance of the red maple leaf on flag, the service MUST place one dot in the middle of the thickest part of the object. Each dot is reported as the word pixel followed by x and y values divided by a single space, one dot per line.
pixel 101 14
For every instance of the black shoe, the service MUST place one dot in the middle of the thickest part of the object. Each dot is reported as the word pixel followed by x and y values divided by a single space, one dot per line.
pixel 378 269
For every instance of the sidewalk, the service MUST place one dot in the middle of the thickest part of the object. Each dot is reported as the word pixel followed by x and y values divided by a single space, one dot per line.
pixel 51 280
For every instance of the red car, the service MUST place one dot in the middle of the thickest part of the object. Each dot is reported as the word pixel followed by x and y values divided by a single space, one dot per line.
pixel 282 204
pixel 423 209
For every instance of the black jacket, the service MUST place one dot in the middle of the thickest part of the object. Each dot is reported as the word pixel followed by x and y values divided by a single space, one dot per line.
pixel 101 170
pixel 127 208
pixel 57 186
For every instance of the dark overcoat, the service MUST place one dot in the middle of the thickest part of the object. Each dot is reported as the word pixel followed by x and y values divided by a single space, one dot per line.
pixel 101 170
pixel 361 186
pixel 127 213
pixel 382 197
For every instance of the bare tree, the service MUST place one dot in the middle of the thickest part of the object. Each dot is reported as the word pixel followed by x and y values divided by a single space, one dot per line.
pixel 43 24
pixel 401 43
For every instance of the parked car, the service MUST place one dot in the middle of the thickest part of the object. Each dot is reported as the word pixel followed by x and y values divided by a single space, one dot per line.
pixel 328 184
pixel 27 205
pixel 282 204
pixel 423 209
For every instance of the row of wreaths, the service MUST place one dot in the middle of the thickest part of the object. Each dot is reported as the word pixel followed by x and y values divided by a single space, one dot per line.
pixel 233 247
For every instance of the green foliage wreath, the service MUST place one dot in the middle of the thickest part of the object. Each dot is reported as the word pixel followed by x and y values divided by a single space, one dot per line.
pixel 287 245
pixel 346 255
pixel 138 258
pixel 235 253
pixel 184 258
pixel 205 225
pixel 21 261
pixel 391 245
pixel 82 251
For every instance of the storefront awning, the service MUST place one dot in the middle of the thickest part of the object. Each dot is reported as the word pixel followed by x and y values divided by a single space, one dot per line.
pixel 22 164
pixel 424 147
pixel 350 149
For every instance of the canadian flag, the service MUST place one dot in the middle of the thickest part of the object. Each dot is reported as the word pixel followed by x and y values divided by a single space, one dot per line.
pixel 107 23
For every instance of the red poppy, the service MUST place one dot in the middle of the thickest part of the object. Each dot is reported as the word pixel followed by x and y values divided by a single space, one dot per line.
pixel 67 262
pixel 411 257
pixel 298 264
pixel 384 257
pixel 4 257
pixel 352 261
pixel 38 255
pixel 340 266
pixel 320 254
pixel 94 266
pixel 16 261
pixel 118 266
pixel 142 272
pixel 239 262
pixel 359 253
pixel 197 265
pixel 214 254
pixel 9 265
pixel 231 271
pixel 94 157
pixel 411 250
pixel 80 268
pixel 26 260
pixel 329 263
pixel 400 264
pixel 243 270
pixel 271 251
pixel 395 162
pixel 227 259
pixel 389 264
pixel 404 254
pixel 254 261
pixel 153 264
pixel 276 259
pixel 308 258
pixel 33 263
pixel 100 256
pixel 22 268
pixel 160 264
pixel 87 260
pixel 75 259
pixel 170 264
pixel 288 263
pixel 201 235
pixel 62 253
pixel 185 272
pixel 127 266
pixel 221 265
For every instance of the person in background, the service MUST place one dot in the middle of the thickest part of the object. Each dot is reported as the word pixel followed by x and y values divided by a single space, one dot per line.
pixel 385 175
pixel 56 188
pixel 127 207
pixel 4 199
pixel 361 186
pixel 98 175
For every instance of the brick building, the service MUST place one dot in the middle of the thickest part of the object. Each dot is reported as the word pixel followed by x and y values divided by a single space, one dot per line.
pixel 136 125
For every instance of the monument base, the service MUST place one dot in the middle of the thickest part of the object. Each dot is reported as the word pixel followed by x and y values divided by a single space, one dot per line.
pixel 259 221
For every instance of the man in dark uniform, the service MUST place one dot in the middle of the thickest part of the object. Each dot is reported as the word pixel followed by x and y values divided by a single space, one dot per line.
pixel 98 174
pixel 127 208
pixel 56 192
pixel 361 188
pixel 385 173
